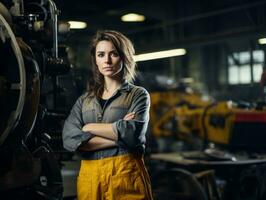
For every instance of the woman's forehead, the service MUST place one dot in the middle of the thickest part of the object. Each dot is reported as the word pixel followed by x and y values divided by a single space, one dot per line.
pixel 105 45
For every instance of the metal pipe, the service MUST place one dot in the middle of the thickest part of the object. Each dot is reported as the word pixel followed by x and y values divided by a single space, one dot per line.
pixel 54 13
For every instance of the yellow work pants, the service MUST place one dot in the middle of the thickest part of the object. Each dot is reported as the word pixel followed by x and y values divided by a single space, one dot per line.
pixel 116 178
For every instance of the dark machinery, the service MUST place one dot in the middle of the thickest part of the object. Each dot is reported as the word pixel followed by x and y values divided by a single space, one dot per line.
pixel 29 52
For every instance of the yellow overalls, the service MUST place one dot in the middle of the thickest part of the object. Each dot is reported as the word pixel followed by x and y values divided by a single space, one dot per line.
pixel 121 177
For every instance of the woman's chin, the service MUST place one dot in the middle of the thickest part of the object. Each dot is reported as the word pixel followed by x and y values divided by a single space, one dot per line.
pixel 111 74
pixel 108 74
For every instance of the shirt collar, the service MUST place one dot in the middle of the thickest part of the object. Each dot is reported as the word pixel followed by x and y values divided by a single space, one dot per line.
pixel 125 87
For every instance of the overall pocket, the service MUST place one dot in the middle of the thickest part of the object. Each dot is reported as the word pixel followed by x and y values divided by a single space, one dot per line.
pixel 128 186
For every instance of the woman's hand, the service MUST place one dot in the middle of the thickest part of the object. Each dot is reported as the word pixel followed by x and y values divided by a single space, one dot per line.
pixel 129 116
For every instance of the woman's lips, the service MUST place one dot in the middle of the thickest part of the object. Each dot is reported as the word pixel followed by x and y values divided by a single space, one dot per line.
pixel 107 68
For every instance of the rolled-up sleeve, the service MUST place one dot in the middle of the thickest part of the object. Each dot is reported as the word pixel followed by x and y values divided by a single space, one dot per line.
pixel 132 133
pixel 73 135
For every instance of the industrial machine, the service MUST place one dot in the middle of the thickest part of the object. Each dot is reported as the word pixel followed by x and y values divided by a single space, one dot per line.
pixel 163 104
pixel 229 164
pixel 29 53
pixel 234 126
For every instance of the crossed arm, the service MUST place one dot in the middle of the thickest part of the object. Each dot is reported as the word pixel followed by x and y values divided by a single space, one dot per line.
pixel 104 136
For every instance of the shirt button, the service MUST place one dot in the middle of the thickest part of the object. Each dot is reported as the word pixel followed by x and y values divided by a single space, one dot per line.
pixel 99 117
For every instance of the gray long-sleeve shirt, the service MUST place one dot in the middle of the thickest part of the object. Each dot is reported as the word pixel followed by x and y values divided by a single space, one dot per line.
pixel 131 133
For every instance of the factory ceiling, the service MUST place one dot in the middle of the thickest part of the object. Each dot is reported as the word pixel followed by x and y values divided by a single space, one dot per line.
pixel 175 20
pixel 106 14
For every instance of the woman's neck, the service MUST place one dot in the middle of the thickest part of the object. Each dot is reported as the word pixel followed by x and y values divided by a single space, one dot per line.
pixel 110 86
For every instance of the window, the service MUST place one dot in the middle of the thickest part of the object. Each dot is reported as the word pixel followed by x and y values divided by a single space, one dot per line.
pixel 240 70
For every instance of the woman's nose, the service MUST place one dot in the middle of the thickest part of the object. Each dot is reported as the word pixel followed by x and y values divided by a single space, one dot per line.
pixel 108 59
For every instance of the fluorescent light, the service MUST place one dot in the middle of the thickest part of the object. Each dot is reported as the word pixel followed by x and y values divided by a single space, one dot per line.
pixel 77 25
pixel 262 41
pixel 133 17
pixel 160 54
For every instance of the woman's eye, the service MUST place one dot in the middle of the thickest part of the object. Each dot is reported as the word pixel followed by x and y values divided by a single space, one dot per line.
pixel 115 54
pixel 100 55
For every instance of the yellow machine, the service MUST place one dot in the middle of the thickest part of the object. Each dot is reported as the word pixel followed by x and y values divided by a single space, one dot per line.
pixel 224 123
pixel 239 128
pixel 163 108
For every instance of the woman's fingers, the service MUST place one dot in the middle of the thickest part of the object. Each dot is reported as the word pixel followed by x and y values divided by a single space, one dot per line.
pixel 129 116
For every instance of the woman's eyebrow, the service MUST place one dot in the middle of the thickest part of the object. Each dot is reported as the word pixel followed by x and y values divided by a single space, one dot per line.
pixel 100 51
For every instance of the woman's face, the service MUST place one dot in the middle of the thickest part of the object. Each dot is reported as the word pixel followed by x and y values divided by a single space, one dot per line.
pixel 107 59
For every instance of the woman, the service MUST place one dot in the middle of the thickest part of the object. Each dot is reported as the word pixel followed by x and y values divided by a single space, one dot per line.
pixel 107 125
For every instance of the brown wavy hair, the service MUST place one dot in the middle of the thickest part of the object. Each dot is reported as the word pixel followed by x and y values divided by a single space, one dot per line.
pixel 125 50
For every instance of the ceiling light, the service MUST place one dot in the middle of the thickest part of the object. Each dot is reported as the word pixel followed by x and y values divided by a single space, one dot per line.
pixel 262 41
pixel 77 25
pixel 160 54
pixel 133 17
